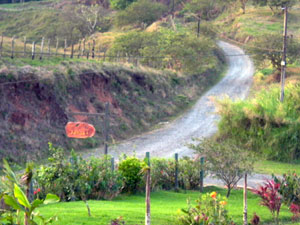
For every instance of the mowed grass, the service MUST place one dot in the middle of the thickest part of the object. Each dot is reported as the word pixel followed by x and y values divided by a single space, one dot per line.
pixel 164 208
pixel 277 168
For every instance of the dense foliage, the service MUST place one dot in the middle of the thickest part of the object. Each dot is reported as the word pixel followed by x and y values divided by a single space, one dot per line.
pixel 15 199
pixel 76 178
pixel 263 124
pixel 131 169
pixel 180 51
pixel 210 209
pixel 290 192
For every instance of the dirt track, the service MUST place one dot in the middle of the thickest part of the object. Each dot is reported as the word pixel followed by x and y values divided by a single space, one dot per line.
pixel 200 121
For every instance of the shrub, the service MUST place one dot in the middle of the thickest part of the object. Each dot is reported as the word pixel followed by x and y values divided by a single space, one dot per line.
pixel 131 171
pixel 78 179
pixel 270 197
pixel 210 209
pixel 162 174
pixel 290 192
pixel 189 173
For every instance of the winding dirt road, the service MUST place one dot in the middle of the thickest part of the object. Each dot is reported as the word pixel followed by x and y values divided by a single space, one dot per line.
pixel 200 121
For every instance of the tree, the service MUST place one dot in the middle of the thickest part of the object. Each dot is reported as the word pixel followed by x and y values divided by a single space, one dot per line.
pixel 226 160
pixel 268 47
pixel 277 4
pixel 120 4
pixel 243 5
pixel 91 15
pixel 142 12
pixel 204 10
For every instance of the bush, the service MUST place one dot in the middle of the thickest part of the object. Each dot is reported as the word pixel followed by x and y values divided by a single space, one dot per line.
pixel 179 50
pixel 210 209
pixel 290 192
pixel 78 179
pixel 270 197
pixel 189 173
pixel 162 174
pixel 264 124
pixel 131 171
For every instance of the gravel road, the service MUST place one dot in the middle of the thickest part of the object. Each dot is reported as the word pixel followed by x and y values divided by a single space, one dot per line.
pixel 199 122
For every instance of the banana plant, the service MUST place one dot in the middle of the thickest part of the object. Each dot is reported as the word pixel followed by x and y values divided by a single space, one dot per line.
pixel 20 203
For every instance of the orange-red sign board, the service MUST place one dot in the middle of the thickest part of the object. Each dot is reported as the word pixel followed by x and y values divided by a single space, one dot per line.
pixel 80 130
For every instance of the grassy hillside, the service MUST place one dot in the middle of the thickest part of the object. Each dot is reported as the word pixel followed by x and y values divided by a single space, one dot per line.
pixel 139 98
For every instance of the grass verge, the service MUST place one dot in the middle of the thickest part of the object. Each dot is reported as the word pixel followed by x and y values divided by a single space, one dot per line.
pixel 164 208
pixel 277 168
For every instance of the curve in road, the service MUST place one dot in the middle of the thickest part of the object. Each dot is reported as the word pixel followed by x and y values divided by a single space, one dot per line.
pixel 200 121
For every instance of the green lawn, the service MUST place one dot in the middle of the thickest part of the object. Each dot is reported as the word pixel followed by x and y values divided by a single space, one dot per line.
pixel 164 208
pixel 277 168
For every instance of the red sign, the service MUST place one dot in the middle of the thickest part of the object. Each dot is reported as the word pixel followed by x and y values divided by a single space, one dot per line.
pixel 80 130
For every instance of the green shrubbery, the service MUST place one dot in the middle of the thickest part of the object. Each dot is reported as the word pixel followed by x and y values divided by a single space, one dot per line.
pixel 179 50
pixel 210 209
pixel 263 124
pixel 76 178
pixel 131 170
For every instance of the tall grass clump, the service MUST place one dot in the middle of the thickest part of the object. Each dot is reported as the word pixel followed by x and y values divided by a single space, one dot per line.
pixel 263 124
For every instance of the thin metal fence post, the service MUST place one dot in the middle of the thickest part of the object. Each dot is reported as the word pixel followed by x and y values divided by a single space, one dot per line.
pixel 106 123
pixel 176 171
pixel 201 174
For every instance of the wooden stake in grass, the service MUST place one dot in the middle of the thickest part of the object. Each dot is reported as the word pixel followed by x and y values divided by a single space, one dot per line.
pixel 25 46
pixel 56 47
pixel 148 190
pixel 42 48
pixel 33 51
pixel 12 47
pixel 245 219
pixel 65 48
pixel 1 45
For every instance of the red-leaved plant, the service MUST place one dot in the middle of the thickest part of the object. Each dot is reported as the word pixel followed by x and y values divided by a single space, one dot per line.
pixel 295 209
pixel 270 197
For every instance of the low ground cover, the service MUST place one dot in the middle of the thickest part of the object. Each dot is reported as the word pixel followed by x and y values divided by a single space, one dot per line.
pixel 277 168
pixel 165 206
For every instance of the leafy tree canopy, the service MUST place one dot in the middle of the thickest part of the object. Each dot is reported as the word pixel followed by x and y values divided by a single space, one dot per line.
pixel 120 4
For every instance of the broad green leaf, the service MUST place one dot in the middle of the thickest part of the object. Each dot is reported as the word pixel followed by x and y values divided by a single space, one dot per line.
pixel 12 202
pixel 36 203
pixel 51 198
pixel 22 199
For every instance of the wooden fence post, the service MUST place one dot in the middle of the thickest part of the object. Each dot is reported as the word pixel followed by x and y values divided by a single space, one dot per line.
pixel 56 47
pixel 49 42
pixel 148 191
pixel 83 48
pixel 104 55
pixel 93 49
pixel 33 51
pixel 88 53
pixel 42 48
pixel 12 47
pixel 245 217
pixel 72 49
pixel 1 45
pixel 65 48
pixel 25 46
pixel 79 49
pixel 176 171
